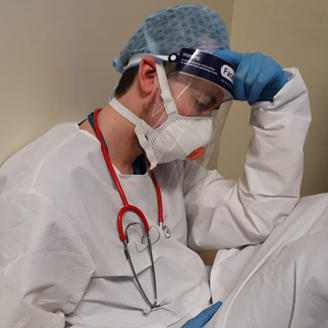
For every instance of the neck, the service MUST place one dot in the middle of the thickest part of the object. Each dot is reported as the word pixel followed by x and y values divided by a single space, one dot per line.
pixel 122 143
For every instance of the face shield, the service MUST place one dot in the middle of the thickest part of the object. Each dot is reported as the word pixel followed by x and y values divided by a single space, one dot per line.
pixel 209 82
pixel 217 78
pixel 179 123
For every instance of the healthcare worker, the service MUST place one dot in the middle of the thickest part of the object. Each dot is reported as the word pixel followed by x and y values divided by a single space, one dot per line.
pixel 96 219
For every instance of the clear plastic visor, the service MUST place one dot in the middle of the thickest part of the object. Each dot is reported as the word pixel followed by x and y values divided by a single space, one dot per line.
pixel 193 97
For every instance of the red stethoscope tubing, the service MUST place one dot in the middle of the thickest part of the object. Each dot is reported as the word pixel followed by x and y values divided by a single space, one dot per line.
pixel 126 206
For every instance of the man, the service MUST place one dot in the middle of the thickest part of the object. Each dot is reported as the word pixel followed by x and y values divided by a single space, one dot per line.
pixel 66 255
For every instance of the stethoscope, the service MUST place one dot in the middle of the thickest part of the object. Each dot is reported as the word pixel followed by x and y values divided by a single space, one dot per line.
pixel 130 208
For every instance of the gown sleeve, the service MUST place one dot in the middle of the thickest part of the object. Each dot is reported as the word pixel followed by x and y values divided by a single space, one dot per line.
pixel 224 213
pixel 44 267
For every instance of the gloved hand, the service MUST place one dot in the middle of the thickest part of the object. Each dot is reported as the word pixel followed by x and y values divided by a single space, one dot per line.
pixel 257 77
pixel 202 318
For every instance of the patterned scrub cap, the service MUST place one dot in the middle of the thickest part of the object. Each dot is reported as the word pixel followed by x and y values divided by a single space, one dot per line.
pixel 169 30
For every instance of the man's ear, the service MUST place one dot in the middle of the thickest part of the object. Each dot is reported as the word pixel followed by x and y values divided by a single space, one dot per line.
pixel 147 75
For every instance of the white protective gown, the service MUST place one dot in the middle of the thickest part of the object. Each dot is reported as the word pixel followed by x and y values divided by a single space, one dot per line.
pixel 61 257
pixel 282 282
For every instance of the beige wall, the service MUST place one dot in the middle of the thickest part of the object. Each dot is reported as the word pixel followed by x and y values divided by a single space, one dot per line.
pixel 55 59
pixel 294 33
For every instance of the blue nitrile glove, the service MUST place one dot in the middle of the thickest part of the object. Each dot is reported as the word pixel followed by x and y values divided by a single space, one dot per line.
pixel 257 77
pixel 202 318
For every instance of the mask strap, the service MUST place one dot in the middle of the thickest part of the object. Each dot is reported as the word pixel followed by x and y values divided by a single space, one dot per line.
pixel 142 129
pixel 168 101
pixel 131 117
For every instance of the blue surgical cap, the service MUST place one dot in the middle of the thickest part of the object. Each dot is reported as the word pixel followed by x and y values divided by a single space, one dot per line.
pixel 169 30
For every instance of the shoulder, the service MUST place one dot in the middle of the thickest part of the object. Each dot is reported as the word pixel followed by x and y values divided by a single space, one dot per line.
pixel 47 158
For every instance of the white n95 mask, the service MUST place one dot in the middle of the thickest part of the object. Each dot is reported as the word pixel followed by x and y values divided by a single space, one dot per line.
pixel 179 137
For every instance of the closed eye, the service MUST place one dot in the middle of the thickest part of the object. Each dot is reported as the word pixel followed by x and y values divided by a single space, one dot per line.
pixel 200 106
